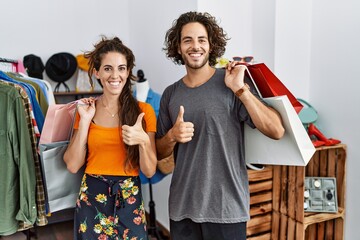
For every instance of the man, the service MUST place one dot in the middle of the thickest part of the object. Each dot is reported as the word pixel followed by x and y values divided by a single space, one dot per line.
pixel 201 121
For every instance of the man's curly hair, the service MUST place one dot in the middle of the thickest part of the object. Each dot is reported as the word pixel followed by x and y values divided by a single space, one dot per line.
pixel 217 36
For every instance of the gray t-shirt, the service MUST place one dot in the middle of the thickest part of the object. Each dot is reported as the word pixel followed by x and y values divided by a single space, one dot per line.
pixel 210 181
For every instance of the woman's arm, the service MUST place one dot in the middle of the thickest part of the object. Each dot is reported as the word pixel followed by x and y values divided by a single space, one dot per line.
pixel 75 154
pixel 135 135
pixel 148 158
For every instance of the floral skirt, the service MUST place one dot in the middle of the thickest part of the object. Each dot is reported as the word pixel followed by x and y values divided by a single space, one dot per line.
pixel 110 207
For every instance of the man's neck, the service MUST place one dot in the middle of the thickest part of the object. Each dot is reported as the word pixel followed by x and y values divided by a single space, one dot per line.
pixel 197 77
pixel 142 90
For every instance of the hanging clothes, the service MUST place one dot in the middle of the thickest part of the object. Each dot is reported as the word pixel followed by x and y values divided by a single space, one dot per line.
pixel 46 87
pixel 153 98
pixel 17 171
pixel 34 134
pixel 39 116
pixel 39 90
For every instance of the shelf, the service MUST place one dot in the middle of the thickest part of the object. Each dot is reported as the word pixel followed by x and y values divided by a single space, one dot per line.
pixel 74 93
pixel 65 97
pixel 289 221
pixel 312 218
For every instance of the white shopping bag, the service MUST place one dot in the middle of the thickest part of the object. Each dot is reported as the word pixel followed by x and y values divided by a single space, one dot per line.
pixel 293 149
pixel 62 187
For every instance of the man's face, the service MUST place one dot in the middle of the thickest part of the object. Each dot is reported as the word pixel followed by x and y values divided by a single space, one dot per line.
pixel 194 45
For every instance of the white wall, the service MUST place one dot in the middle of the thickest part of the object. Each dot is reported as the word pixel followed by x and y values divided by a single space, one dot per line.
pixel 316 55
pixel 236 19
pixel 44 27
pixel 312 46
pixel 292 45
pixel 149 22
pixel 334 88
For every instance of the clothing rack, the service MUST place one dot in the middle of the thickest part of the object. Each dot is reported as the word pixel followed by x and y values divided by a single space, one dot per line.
pixel 11 65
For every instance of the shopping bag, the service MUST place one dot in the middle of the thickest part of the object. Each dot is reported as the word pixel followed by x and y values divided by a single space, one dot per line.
pixel 61 186
pixel 269 85
pixel 58 122
pixel 293 149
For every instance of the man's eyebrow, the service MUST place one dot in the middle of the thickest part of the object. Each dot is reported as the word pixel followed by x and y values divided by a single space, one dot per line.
pixel 186 37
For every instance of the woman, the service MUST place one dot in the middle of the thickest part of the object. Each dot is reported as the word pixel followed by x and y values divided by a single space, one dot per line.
pixel 114 136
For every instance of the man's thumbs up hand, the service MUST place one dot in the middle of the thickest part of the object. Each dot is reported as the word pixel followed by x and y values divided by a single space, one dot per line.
pixel 180 117
pixel 182 131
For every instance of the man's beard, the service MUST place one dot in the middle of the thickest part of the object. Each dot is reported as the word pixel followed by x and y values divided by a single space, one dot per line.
pixel 196 65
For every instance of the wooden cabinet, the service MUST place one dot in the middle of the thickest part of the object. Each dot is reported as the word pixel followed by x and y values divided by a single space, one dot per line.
pixel 289 221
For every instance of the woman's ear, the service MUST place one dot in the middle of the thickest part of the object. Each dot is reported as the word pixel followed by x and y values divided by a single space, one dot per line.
pixel 96 73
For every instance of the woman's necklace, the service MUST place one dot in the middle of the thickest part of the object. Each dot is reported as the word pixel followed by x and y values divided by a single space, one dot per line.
pixel 107 110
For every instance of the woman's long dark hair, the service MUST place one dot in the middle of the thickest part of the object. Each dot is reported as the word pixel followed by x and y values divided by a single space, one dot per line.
pixel 217 36
pixel 129 108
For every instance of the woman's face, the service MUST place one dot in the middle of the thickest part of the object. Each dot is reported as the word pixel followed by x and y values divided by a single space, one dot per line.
pixel 113 72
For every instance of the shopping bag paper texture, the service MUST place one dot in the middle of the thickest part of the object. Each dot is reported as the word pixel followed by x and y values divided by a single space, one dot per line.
pixel 269 85
pixel 293 149
pixel 58 123
pixel 62 187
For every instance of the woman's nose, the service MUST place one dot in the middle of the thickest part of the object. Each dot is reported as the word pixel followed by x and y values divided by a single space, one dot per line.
pixel 115 74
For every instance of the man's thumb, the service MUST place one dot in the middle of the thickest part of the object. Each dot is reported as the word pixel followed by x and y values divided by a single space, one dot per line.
pixel 180 117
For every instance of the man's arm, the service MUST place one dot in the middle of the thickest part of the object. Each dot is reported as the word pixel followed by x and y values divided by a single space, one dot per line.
pixel 265 118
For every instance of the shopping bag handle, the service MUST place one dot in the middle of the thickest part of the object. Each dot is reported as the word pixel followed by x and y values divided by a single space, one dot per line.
pixel 69 106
